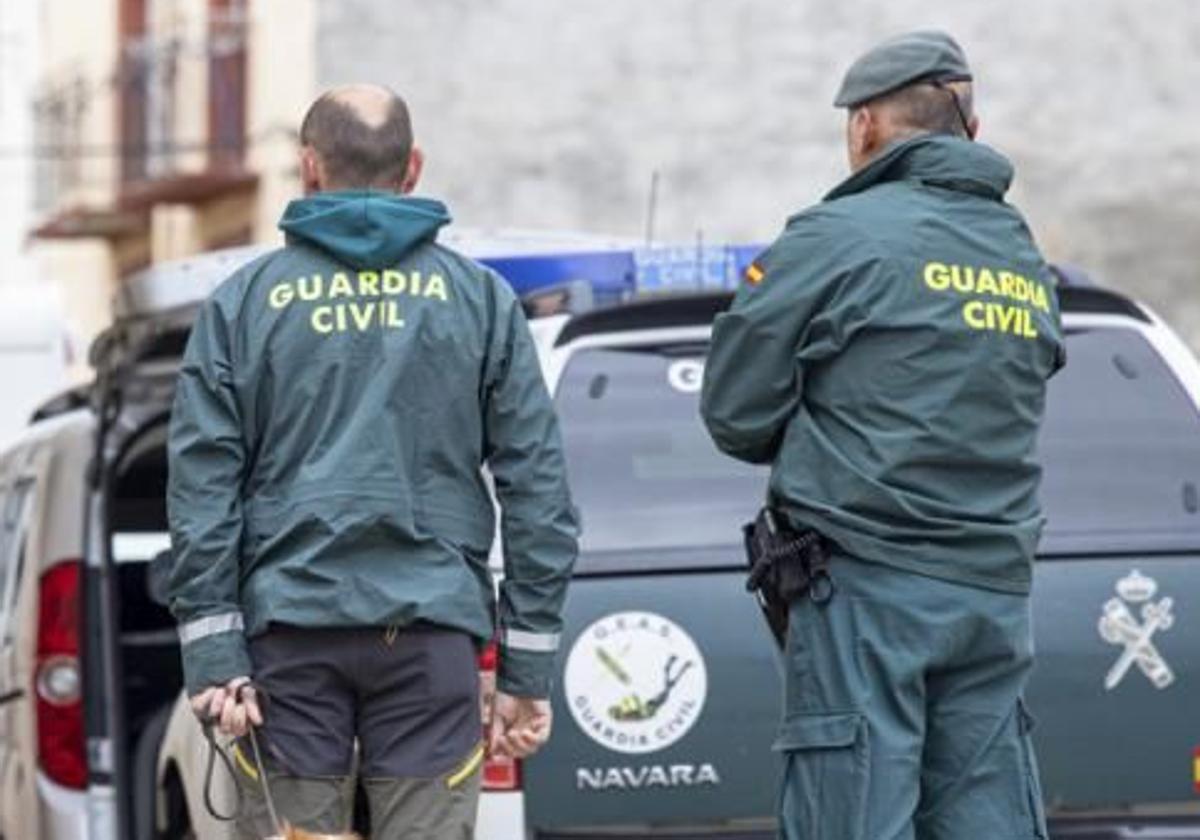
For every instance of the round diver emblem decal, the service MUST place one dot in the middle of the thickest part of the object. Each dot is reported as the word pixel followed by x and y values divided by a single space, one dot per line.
pixel 635 682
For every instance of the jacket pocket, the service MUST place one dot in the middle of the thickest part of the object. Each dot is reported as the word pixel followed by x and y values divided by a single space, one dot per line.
pixel 1031 782
pixel 825 777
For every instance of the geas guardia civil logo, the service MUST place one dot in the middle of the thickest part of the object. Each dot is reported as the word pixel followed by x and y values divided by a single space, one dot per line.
pixel 635 682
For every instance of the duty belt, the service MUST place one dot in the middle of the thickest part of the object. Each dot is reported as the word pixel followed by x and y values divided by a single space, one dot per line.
pixel 785 565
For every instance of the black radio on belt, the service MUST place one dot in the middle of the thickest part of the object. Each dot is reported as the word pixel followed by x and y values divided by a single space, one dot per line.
pixel 785 564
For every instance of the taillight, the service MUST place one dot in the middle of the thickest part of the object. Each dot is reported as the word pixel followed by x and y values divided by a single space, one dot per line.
pixel 58 681
pixel 499 773
pixel 489 659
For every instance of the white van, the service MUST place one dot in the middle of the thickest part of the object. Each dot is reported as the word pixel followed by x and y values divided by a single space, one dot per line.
pixel 89 667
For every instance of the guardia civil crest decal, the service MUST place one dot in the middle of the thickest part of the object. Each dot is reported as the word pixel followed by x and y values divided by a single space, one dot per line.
pixel 1132 621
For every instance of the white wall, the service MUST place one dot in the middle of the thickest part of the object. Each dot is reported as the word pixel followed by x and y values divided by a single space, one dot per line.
pixel 34 352
pixel 555 114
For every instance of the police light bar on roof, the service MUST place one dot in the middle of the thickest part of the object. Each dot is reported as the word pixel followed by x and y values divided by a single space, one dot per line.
pixel 616 270
pixel 619 274
pixel 668 269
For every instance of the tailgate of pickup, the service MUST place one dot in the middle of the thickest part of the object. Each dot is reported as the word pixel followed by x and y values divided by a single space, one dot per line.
pixel 666 707
pixel 1116 687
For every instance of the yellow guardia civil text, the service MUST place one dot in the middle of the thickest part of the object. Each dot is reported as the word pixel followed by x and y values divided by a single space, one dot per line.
pixel 997 300
pixel 357 302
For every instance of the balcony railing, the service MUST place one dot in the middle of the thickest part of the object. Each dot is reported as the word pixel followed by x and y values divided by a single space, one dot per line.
pixel 180 106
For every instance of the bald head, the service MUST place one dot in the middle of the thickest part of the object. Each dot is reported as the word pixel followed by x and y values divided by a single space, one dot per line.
pixel 357 137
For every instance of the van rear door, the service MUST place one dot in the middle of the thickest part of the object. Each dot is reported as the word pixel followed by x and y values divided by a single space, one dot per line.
pixel 22 487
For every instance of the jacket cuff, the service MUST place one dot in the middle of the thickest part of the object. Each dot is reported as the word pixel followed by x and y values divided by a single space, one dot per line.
pixel 525 673
pixel 214 660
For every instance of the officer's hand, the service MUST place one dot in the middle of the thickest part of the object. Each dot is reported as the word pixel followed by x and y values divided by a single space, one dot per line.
pixel 520 725
pixel 487 696
pixel 233 707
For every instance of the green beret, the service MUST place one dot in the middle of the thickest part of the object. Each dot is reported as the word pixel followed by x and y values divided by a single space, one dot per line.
pixel 915 56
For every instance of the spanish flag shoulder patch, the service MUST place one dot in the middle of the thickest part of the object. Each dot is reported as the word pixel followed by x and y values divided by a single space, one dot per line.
pixel 754 273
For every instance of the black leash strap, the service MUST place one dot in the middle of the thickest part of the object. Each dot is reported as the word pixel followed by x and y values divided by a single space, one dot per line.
pixel 215 751
pixel 266 785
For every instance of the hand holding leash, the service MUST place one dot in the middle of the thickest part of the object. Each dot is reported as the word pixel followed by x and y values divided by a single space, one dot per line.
pixel 233 708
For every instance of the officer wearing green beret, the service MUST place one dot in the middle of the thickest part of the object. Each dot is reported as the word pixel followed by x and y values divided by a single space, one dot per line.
pixel 888 357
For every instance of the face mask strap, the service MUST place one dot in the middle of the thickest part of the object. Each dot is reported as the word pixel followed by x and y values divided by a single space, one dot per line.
pixel 958 108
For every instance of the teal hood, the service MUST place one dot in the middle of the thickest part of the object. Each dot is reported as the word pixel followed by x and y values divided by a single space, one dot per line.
pixel 936 160
pixel 361 228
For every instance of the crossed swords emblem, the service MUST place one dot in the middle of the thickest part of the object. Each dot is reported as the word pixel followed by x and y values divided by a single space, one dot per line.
pixel 1119 626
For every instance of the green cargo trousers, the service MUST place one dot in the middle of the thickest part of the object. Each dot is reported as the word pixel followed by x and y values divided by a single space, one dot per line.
pixel 904 717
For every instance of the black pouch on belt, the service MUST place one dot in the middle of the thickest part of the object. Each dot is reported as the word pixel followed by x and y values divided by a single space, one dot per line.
pixel 785 564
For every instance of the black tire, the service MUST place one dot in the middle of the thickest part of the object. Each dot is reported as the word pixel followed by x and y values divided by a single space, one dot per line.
pixel 144 775
pixel 179 821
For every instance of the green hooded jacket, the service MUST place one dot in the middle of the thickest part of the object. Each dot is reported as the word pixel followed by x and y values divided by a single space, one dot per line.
pixel 337 402
pixel 888 356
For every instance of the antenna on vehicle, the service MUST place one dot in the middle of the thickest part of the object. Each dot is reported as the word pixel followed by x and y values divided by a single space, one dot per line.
pixel 651 208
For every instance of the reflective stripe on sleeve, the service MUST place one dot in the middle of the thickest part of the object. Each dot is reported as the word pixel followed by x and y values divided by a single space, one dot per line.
pixel 210 625
pixel 535 642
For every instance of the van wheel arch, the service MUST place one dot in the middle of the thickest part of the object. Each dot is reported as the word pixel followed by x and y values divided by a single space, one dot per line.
pixel 173 814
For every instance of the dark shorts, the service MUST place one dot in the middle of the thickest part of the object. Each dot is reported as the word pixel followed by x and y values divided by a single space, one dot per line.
pixel 409 699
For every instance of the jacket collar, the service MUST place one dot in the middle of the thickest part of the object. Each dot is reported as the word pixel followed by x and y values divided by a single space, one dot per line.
pixel 937 160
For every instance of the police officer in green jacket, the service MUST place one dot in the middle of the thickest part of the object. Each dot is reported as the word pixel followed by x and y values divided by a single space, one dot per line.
pixel 330 514
pixel 888 357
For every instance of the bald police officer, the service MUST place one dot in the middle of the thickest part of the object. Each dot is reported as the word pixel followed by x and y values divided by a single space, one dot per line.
pixel 888 355
pixel 330 519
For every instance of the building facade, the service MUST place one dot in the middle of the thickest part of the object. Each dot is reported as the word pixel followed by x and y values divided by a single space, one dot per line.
pixel 542 113
pixel 172 121
pixel 162 128
pixel 18 42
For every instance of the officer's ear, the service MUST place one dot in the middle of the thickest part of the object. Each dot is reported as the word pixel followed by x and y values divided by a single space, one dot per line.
pixel 861 128
pixel 312 173
pixel 973 127
pixel 412 175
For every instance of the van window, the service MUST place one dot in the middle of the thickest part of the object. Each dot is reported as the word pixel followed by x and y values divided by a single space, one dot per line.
pixel 1120 450
pixel 14 503
pixel 643 470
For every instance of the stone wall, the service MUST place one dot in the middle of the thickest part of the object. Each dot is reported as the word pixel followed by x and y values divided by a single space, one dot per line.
pixel 556 113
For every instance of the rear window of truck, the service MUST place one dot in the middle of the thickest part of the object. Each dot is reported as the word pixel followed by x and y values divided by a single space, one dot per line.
pixel 1120 450
pixel 1120 447
pixel 642 468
